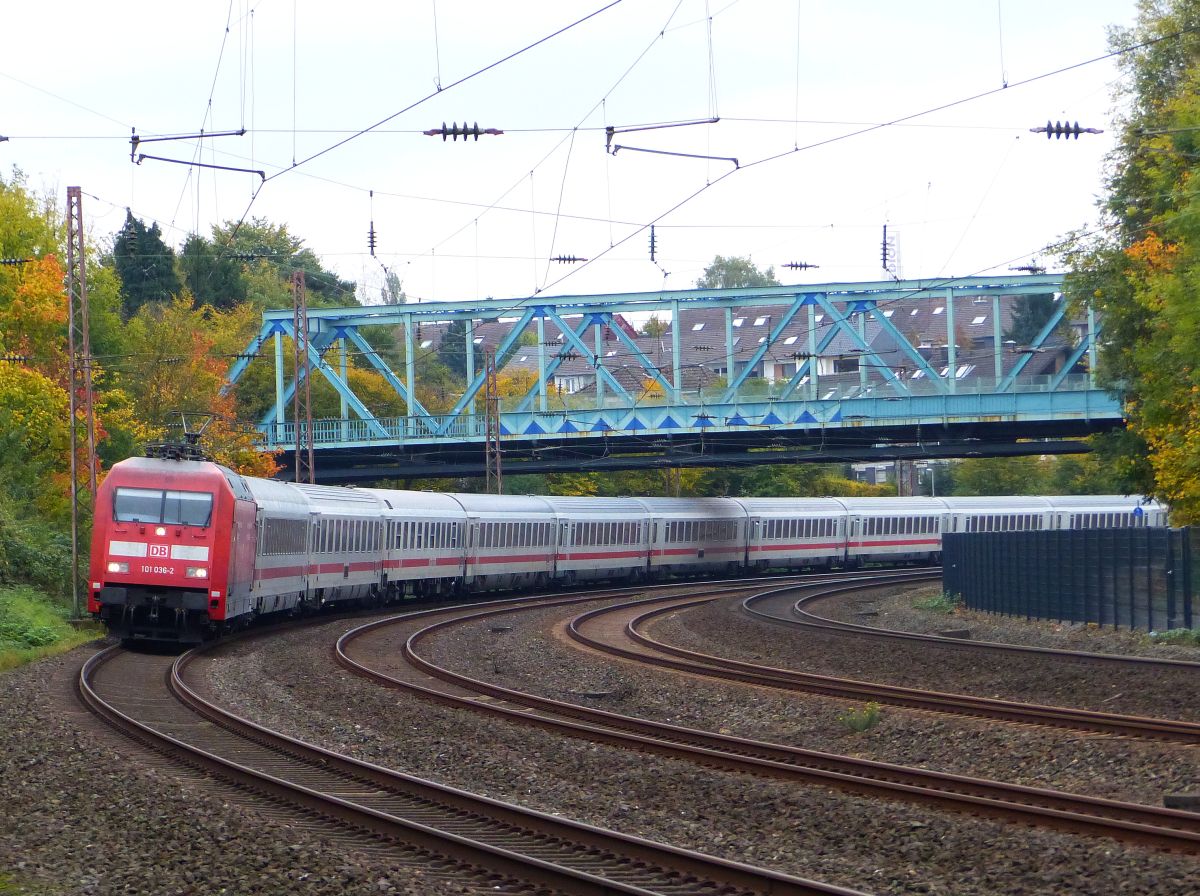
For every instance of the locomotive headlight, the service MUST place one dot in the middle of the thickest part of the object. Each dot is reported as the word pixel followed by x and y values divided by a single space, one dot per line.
pixel 160 531
pixel 115 566
pixel 196 572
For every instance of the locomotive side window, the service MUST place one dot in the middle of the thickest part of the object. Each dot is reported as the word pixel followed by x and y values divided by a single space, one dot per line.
pixel 170 508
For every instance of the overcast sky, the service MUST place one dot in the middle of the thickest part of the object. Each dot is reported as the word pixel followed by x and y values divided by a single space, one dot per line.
pixel 801 88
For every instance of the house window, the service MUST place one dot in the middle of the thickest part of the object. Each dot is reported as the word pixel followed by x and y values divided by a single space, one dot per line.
pixel 939 309
pixel 889 312
pixel 696 328
pixel 759 321
pixel 426 343
pixel 738 321
pixel 791 340
pixel 978 320
pixel 845 365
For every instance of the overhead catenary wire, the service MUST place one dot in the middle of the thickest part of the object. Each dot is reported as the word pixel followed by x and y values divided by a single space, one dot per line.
pixel 584 252
pixel 868 129
pixel 595 256
pixel 440 89
pixel 547 286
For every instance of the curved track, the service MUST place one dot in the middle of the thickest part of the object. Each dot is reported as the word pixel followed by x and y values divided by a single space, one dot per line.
pixel 776 605
pixel 1161 828
pixel 779 606
pixel 497 844
pixel 803 615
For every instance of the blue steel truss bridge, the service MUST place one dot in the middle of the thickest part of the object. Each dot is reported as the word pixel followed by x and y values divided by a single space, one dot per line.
pixel 831 372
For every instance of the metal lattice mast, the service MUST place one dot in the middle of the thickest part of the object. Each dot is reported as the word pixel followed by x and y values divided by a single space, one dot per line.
pixel 83 443
pixel 302 394
pixel 491 401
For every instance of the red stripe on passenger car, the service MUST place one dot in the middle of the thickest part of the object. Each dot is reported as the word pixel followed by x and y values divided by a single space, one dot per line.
pixel 823 546
pixel 515 558
pixel 279 572
pixel 899 542
pixel 602 555
pixel 692 551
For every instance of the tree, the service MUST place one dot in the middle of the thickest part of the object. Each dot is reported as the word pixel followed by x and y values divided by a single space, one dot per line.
pixel 786 481
pixel 734 272
pixel 655 327
pixel 375 392
pixel 1001 476
pixel 145 264
pixel 213 278
pixel 34 442
pixel 1030 315
pixel 270 246
pixel 1082 474
pixel 453 350
pixel 182 356
pixel 392 292
pixel 1143 272
pixel 34 476
pixel 33 316
pixel 28 227
pixel 515 383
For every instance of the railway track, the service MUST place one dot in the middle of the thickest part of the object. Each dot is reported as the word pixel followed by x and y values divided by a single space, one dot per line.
pixel 1148 825
pixel 775 605
pixel 802 614
pixel 499 845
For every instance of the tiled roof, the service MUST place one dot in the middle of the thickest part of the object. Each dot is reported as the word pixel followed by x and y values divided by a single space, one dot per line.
pixel 702 345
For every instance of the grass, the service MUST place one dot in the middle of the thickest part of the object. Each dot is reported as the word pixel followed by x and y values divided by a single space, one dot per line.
pixel 861 719
pixel 8 887
pixel 1186 637
pixel 939 603
pixel 33 626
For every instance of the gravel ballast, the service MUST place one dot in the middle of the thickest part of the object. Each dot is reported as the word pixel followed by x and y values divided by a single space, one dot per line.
pixel 86 812
pixel 812 832
pixel 156 830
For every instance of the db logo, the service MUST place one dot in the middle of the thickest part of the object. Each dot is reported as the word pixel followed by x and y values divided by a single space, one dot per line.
pixel 160 550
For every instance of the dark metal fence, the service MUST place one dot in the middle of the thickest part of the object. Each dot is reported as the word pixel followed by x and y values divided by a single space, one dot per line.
pixel 1136 577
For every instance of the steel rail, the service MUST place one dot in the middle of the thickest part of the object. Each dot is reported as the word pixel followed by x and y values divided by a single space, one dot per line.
pixel 1160 828
pixel 479 833
pixel 685 660
pixel 805 617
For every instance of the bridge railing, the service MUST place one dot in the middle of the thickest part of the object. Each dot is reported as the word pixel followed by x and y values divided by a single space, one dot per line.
pixel 875 401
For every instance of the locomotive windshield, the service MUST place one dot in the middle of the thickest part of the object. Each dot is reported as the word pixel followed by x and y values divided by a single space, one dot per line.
pixel 165 507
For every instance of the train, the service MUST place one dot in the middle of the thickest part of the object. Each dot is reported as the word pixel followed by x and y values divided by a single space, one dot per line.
pixel 186 549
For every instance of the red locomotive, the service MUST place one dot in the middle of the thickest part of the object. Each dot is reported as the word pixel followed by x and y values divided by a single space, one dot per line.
pixel 173 548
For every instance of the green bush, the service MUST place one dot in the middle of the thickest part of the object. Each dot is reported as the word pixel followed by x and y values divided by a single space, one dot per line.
pixel 34 553
pixel 862 719
pixel 29 619
pixel 939 603
pixel 33 625
pixel 1186 637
